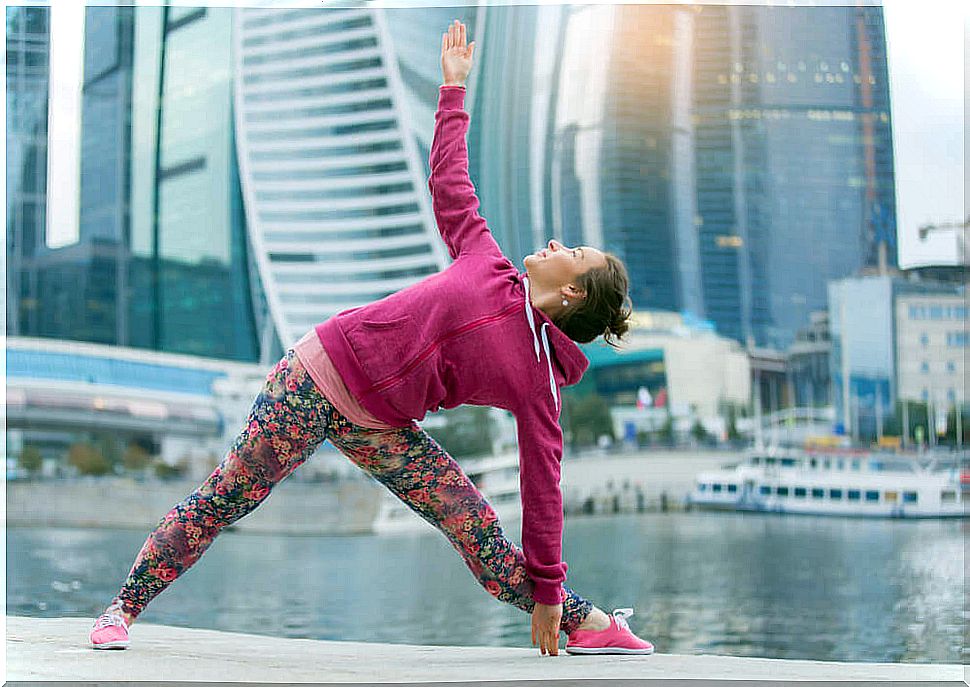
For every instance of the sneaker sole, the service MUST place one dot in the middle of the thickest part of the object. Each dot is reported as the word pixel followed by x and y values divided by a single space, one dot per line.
pixel 607 650
pixel 112 645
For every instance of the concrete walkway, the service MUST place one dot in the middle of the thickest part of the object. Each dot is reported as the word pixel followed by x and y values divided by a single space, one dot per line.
pixel 57 649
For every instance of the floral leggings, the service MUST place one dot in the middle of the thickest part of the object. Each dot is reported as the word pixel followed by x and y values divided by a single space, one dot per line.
pixel 289 420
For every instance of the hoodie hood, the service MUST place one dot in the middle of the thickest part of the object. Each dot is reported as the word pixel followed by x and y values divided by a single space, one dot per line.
pixel 552 342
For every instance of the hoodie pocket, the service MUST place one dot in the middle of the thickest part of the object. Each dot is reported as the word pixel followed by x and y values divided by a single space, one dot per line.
pixel 384 347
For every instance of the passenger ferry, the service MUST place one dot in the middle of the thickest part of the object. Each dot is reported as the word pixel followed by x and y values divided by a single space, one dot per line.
pixel 497 477
pixel 839 482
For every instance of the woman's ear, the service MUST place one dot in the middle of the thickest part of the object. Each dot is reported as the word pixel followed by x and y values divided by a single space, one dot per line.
pixel 572 291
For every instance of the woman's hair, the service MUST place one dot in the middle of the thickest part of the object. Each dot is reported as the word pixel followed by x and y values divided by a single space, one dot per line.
pixel 603 311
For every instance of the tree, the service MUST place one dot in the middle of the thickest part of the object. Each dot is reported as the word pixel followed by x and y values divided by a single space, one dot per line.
pixel 88 460
pixel 667 431
pixel 732 423
pixel 136 457
pixel 467 431
pixel 31 459
pixel 698 432
pixel 588 418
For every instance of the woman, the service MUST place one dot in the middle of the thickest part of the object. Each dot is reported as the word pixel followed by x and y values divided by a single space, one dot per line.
pixel 478 332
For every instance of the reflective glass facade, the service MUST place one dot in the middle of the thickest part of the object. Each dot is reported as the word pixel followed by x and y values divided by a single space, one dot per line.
pixel 28 50
pixel 795 179
pixel 162 259
pixel 745 157
pixel 190 276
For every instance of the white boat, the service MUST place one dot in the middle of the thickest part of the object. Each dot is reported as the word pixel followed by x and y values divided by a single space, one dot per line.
pixel 839 482
pixel 497 477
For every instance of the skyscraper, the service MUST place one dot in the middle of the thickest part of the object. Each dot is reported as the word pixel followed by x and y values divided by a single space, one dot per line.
pixel 334 116
pixel 28 50
pixel 744 154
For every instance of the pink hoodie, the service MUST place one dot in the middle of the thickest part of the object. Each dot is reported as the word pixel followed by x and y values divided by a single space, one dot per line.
pixel 469 335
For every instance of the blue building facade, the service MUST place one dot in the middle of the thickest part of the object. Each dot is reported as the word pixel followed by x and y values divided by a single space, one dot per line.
pixel 27 63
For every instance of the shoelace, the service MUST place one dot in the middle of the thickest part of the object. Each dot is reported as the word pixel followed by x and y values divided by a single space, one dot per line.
pixel 620 615
pixel 109 619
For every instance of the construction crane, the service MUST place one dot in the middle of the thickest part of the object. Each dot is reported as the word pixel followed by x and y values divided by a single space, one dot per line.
pixel 961 236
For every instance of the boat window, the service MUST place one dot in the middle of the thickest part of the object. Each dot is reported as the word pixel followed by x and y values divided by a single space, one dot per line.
pixel 733 488
pixel 813 462
pixel 764 490
pixel 756 460
pixel 800 492
pixel 818 493
pixel 890 496
pixel 872 495
pixel 702 487
pixel 717 488
pixel 787 462
pixel 827 464
pixel 855 464
pixel 948 496
pixel 909 497
pixel 782 491
pixel 769 461
pixel 854 494
pixel 840 464
pixel 835 494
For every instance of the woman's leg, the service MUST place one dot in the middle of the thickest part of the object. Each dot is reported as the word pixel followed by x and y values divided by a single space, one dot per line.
pixel 286 424
pixel 410 463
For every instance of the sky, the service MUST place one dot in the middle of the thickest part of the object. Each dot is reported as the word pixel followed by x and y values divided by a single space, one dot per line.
pixel 926 40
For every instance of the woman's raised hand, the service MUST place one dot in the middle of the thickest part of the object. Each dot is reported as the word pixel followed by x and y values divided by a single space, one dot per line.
pixel 456 55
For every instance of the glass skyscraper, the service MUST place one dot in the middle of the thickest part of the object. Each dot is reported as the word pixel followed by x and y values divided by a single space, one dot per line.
pixel 161 260
pixel 744 155
pixel 28 51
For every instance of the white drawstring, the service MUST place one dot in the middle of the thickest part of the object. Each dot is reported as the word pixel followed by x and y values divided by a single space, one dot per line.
pixel 552 379
pixel 545 341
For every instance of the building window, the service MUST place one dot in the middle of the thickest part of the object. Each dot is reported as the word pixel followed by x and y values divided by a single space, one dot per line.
pixel 951 366
pixel 924 339
pixel 956 339
pixel 924 367
pixel 951 395
pixel 855 463
pixel 925 395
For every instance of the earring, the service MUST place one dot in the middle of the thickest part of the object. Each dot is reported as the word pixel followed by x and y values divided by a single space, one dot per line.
pixel 565 302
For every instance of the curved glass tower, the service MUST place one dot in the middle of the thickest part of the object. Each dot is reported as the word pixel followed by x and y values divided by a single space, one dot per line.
pixel 334 111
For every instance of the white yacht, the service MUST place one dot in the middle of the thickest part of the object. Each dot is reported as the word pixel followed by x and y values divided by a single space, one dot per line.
pixel 839 482
pixel 497 477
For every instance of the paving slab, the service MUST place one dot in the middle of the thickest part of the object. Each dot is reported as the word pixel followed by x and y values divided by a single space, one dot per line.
pixel 57 649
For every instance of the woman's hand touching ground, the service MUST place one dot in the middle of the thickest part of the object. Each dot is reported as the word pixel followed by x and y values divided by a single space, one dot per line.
pixel 456 55
pixel 545 628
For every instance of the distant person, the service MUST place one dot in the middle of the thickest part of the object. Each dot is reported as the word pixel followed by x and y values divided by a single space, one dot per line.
pixel 478 332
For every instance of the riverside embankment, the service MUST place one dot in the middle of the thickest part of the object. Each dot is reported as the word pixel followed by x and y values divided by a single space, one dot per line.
pixel 598 484
pixel 57 649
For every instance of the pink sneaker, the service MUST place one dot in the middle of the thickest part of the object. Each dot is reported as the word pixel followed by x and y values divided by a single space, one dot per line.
pixel 616 639
pixel 109 632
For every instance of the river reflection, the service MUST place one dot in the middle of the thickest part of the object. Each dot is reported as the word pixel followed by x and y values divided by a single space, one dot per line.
pixel 798 587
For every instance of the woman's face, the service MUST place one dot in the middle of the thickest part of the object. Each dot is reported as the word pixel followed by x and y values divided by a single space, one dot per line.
pixel 557 265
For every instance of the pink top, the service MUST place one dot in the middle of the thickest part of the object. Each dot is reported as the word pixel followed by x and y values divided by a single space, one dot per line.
pixel 314 357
